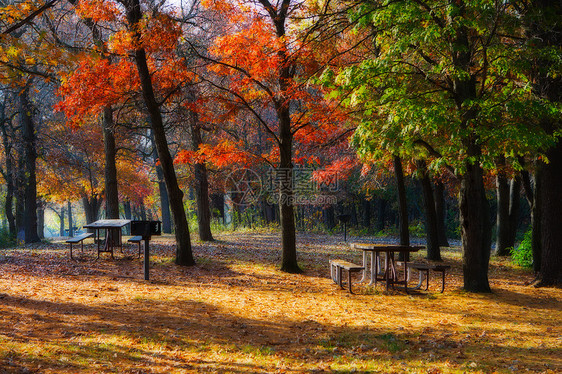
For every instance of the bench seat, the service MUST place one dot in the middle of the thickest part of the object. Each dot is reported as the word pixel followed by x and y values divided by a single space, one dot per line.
pixel 136 239
pixel 336 267
pixel 79 239
pixel 425 268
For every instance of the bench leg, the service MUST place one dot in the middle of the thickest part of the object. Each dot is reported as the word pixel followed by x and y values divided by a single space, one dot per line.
pixel 71 250
pixel 349 280
pixel 339 276
pixel 443 281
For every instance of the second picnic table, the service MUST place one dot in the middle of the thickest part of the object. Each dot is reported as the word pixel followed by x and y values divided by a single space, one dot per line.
pixel 389 273
pixel 112 229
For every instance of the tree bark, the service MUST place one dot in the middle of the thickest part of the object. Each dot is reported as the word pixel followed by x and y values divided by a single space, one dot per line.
pixel 514 204
pixel 545 30
pixel 503 230
pixel 201 184
pixel 61 226
pixel 288 235
pixel 440 210
pixel 41 219
pixel 30 156
pixel 432 232
pixel 92 207
pixel 475 227
pixel 9 178
pixel 551 233
pixel 184 255
pixel 402 202
pixel 111 190
pixel 70 220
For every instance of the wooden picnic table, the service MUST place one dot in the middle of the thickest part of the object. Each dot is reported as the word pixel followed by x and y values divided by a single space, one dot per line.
pixel 388 273
pixel 112 228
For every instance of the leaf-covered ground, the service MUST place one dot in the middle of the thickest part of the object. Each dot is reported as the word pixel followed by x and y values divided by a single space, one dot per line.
pixel 235 312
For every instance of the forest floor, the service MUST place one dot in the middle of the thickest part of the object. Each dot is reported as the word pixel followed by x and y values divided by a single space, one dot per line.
pixel 235 312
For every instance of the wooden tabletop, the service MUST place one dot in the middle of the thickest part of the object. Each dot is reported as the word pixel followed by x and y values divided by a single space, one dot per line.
pixel 386 247
pixel 108 224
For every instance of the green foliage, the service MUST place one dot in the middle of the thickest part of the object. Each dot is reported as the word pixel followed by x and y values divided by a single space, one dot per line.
pixel 408 91
pixel 523 255
pixel 5 239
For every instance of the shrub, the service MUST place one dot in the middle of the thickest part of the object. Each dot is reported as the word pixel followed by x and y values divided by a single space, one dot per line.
pixel 523 255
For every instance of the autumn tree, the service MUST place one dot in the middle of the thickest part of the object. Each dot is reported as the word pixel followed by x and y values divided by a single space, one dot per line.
pixel 260 66
pixel 439 84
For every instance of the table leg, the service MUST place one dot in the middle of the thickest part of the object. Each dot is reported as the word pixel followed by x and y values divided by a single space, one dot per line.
pixel 364 267
pixel 373 270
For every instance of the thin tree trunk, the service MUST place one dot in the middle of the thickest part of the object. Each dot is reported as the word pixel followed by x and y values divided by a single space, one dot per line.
pixel 440 210
pixel 41 219
pixel 70 220
pixel 92 207
pixel 432 232
pixel 111 190
pixel 9 178
pixel 514 195
pixel 184 255
pixel 30 150
pixel 532 196
pixel 128 215
pixel 61 228
pixel 164 200
pixel 402 207
pixel 201 184
pixel 502 221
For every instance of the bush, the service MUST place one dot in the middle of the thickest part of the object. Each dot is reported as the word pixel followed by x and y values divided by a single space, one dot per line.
pixel 523 255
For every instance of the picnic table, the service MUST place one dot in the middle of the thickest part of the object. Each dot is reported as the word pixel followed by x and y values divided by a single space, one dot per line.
pixel 389 273
pixel 112 228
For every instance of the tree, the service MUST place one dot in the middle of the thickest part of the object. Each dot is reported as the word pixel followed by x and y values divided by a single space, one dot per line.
pixel 543 31
pixel 438 84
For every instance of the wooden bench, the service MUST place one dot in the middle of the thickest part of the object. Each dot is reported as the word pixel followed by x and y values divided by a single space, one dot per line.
pixel 136 239
pixel 336 267
pixel 79 239
pixel 424 269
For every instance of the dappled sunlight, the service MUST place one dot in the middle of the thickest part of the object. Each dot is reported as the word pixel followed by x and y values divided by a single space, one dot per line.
pixel 236 312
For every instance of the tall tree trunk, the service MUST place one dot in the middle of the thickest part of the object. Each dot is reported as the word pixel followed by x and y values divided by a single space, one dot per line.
pixel 30 151
pixel 551 233
pixel 432 232
pixel 128 215
pixel 514 203
pixel 288 235
pixel 164 200
pixel 545 30
pixel 92 207
pixel 9 177
pixel 503 229
pixel 184 255
pixel 440 210
pixel 61 226
pixel 532 195
pixel 402 207
pixel 475 227
pixel 41 219
pixel 201 184
pixel 111 190
pixel 70 220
